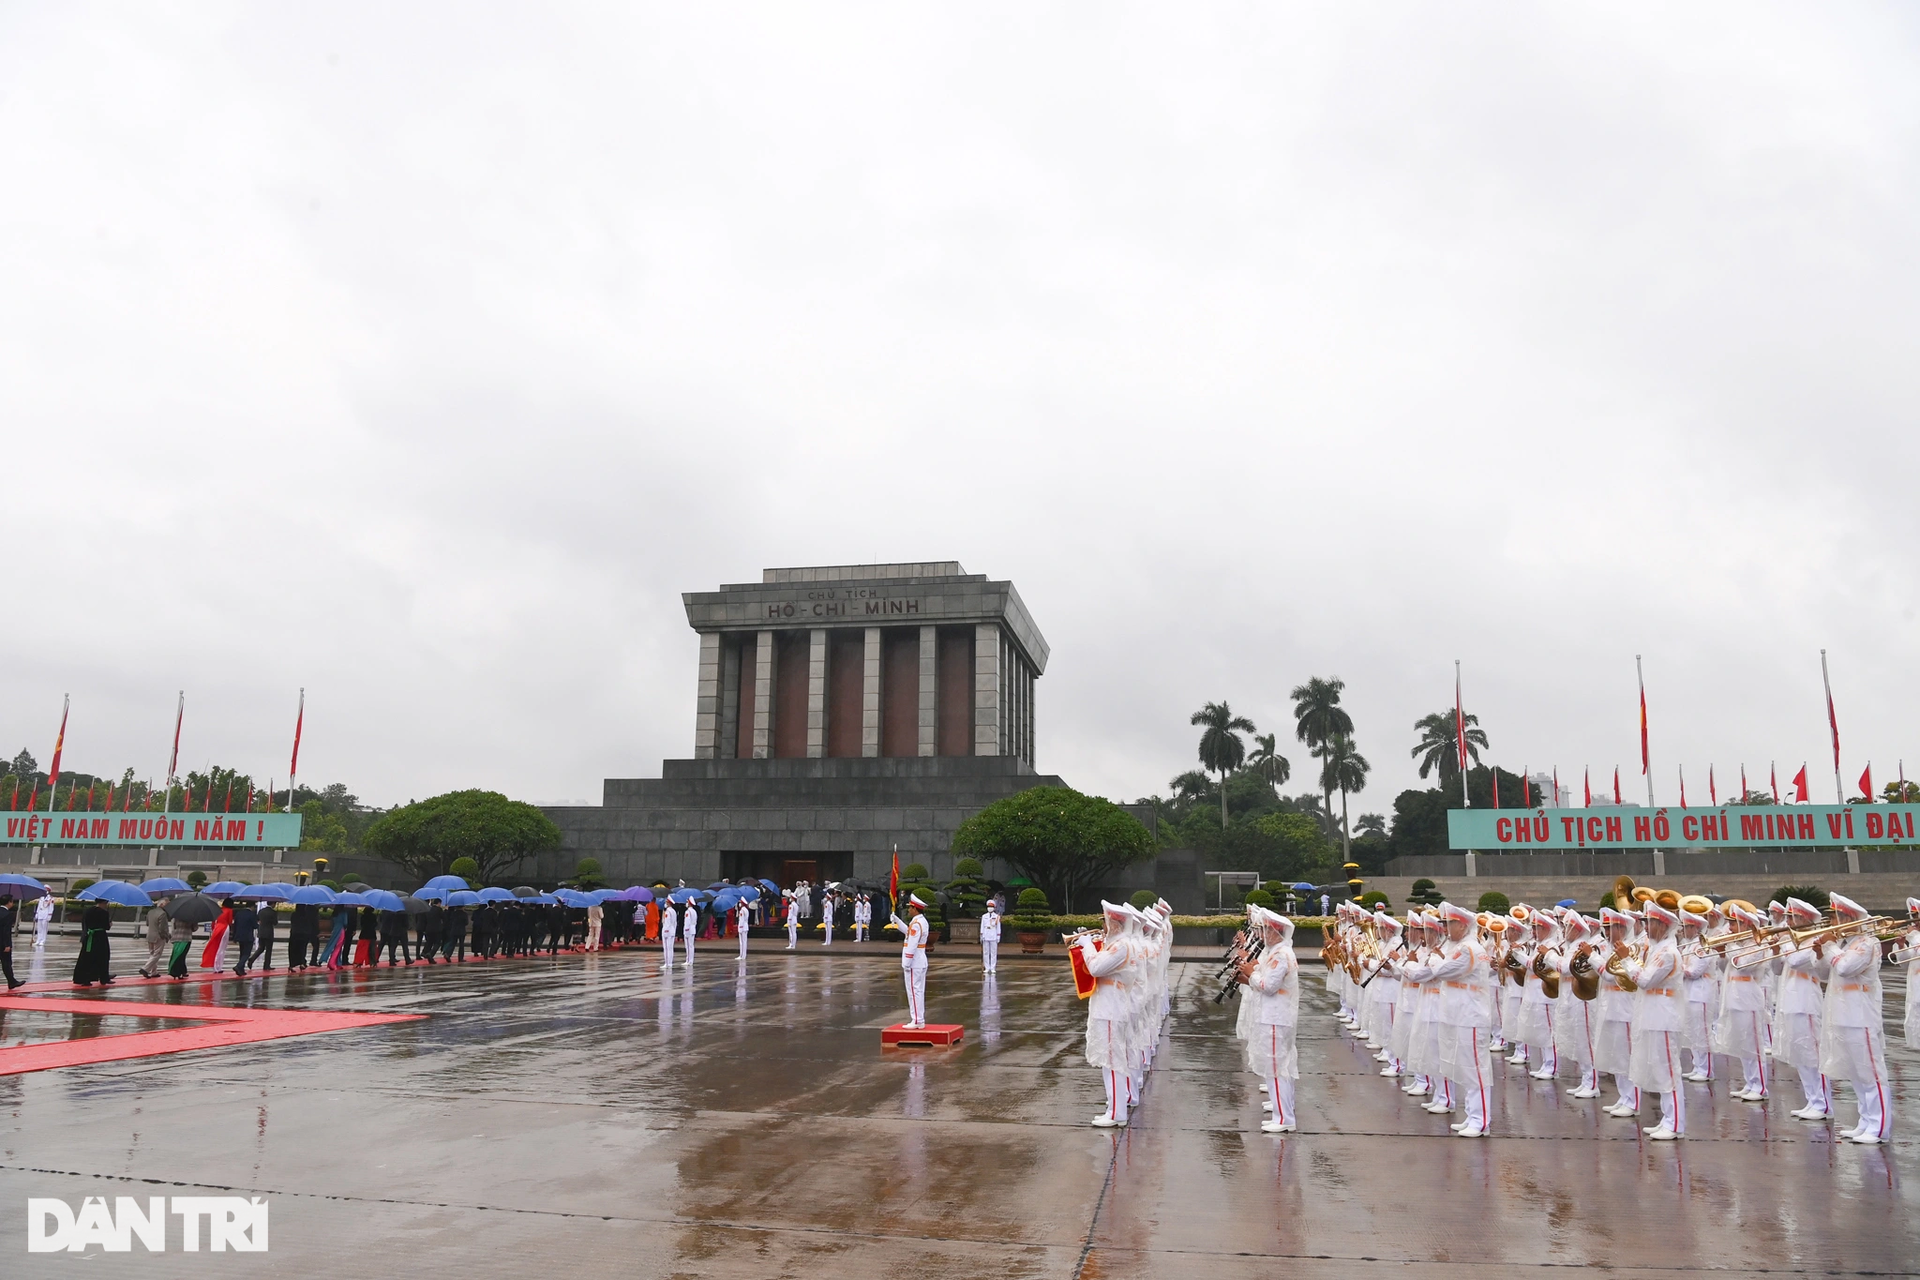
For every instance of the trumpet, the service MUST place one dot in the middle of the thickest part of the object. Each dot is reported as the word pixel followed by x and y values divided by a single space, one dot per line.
pixel 1880 928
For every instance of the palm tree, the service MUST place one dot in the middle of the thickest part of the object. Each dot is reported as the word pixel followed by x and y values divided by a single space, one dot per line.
pixel 1316 711
pixel 1190 786
pixel 1343 769
pixel 1267 761
pixel 1221 750
pixel 1372 824
pixel 1440 749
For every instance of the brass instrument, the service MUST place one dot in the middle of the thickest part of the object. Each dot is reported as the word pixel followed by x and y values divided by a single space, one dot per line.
pixel 1586 979
pixel 1548 975
pixel 1880 928
pixel 1515 968
pixel 1738 938
pixel 1904 955
pixel 1617 965
pixel 1623 893
pixel 1643 895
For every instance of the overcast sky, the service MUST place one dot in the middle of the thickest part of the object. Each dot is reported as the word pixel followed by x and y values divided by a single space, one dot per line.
pixel 422 355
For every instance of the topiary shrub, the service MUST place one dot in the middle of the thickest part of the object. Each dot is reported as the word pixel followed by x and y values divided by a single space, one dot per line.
pixel 968 889
pixel 1259 898
pixel 195 879
pixel 1424 894
pixel 1494 900
pixel 586 874
pixel 912 871
pixel 1812 893
pixel 79 886
pixel 1373 900
pixel 467 869
pixel 1032 910
pixel 969 868
pixel 1143 898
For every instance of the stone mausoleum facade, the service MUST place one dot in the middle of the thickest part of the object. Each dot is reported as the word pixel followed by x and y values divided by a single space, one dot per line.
pixel 839 711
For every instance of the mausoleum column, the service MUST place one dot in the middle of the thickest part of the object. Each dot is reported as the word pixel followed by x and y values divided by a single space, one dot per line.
pixel 706 716
pixel 986 689
pixel 816 694
pixel 762 696
pixel 870 696
pixel 929 691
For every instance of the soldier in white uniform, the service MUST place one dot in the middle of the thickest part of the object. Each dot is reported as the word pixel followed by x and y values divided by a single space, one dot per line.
pixel 1659 1023
pixel 1613 1047
pixel 689 922
pixel 792 905
pixel 989 938
pixel 1111 964
pixel 1853 1038
pixel 862 917
pixel 1273 982
pixel 669 930
pixel 1512 995
pixel 827 901
pixel 1537 1012
pixel 1384 993
pixel 1577 1025
pixel 913 959
pixel 1797 1015
pixel 1911 941
pixel 743 921
pixel 1700 973
pixel 1464 977
pixel 1741 1031
pixel 42 917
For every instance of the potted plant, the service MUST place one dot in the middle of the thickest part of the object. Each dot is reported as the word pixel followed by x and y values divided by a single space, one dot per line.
pixel 1032 917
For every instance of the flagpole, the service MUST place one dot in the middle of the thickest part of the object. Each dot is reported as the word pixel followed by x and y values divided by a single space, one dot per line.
pixel 1460 733
pixel 1646 760
pixel 1833 723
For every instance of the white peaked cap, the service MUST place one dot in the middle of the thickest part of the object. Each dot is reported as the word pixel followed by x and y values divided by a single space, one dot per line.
pixel 914 898
pixel 1847 908
pixel 1796 905
pixel 1657 912
pixel 1451 911
pixel 1386 921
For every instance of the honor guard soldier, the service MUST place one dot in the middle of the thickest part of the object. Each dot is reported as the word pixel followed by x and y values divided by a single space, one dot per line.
pixel 1853 1039
pixel 913 959
pixel 1273 981
pixel 1109 962
pixel 862 917
pixel 669 930
pixel 1659 1022
pixel 1613 1048
pixel 792 905
pixel 989 938
pixel 1537 1008
pixel 742 923
pixel 828 900
pixel 689 922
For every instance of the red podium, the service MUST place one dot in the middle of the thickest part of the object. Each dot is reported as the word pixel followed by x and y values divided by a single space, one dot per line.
pixel 936 1033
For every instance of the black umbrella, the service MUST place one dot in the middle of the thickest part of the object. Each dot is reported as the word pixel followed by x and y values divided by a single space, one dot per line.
pixel 354 886
pixel 415 906
pixel 526 891
pixel 194 908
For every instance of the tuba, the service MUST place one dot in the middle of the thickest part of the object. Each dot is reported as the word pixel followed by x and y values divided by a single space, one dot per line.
pixel 1623 893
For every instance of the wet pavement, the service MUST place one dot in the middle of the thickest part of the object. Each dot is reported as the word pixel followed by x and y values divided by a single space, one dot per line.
pixel 592 1114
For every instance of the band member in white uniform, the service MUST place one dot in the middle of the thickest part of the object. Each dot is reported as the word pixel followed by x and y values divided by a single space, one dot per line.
pixel 1513 994
pixel 1466 1016
pixel 989 938
pixel 1659 1023
pixel 1274 981
pixel 1741 1030
pixel 913 959
pixel 792 907
pixel 742 921
pixel 1700 974
pixel 827 903
pixel 1111 965
pixel 1797 1014
pixel 1613 1047
pixel 1537 1012
pixel 1911 941
pixel 1384 989
pixel 1853 1039
pixel 669 930
pixel 1577 1028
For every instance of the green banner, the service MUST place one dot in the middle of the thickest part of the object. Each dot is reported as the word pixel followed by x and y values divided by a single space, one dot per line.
pixel 1736 826
pixel 161 830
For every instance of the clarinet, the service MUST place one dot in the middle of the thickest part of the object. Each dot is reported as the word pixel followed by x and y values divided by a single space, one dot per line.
pixel 1232 988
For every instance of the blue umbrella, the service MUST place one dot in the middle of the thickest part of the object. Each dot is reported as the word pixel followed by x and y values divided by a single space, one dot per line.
pixel 431 894
pixel 546 899
pixel 445 882
pixel 222 888
pixel 604 895
pixel 118 892
pixel 384 900
pixel 311 895
pixel 350 899
pixel 637 893
pixel 718 885
pixel 770 886
pixel 257 893
pixel 21 882
pixel 1567 902
pixel 494 893
pixel 684 896
pixel 1303 887
pixel 460 898
pixel 573 897
pixel 750 893
pixel 166 884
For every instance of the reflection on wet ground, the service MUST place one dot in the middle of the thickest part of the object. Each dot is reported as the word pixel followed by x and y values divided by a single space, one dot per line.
pixel 593 1112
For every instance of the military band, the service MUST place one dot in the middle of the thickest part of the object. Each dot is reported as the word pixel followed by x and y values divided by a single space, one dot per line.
pixel 1647 994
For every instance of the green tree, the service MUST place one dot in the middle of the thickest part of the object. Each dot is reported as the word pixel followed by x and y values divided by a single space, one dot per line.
pixel 1032 912
pixel 1296 849
pixel 320 831
pixel 1439 747
pixel 1063 841
pixel 586 874
pixel 1221 750
pixel 1342 769
pixel 1143 898
pixel 467 869
pixel 1371 826
pixel 1266 760
pixel 427 835
pixel 1318 717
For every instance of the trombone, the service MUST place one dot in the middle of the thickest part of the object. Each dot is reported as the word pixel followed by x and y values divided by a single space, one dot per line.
pixel 1881 928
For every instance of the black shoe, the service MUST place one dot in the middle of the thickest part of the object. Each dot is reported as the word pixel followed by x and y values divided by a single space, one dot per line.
pixel 12 985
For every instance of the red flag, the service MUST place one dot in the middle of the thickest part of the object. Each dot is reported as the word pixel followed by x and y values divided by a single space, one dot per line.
pixel 1866 781
pixel 33 796
pixel 1586 785
pixel 59 744
pixel 1496 788
pixel 73 795
pixel 299 723
pixel 893 884
pixel 1556 786
pixel 1833 722
pixel 1713 791
pixel 1773 780
pixel 173 761
pixel 1800 785
pixel 1526 790
pixel 1459 722
pixel 90 796
pixel 226 806
pixel 208 807
pixel 1616 785
pixel 1743 783
pixel 1644 758
pixel 1683 786
pixel 186 798
pixel 249 797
